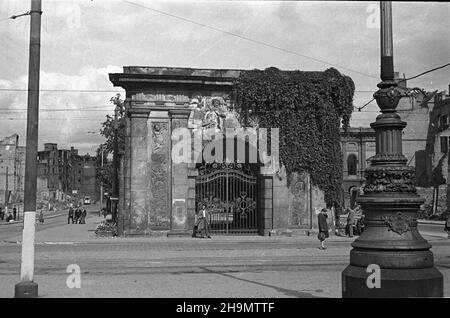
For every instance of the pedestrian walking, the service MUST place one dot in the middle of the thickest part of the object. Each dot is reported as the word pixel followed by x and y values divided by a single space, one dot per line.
pixel 70 217
pixel 14 213
pixel 323 228
pixel 447 226
pixel 77 215
pixel 83 216
pixel 2 214
pixel 41 217
pixel 202 223
pixel 350 222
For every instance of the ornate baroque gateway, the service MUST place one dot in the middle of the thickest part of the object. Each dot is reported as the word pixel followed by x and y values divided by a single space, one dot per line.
pixel 161 196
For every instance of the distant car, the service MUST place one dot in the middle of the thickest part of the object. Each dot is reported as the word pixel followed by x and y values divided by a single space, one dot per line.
pixel 87 200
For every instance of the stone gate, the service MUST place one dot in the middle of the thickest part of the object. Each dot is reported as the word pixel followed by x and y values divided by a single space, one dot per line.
pixel 157 194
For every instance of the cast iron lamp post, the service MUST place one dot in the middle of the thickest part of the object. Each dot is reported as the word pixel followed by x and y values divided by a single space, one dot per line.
pixel 390 258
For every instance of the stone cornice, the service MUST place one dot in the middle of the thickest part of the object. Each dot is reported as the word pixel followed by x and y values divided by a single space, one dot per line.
pixel 357 133
pixel 137 81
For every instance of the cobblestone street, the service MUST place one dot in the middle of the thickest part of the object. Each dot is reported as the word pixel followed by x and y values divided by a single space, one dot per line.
pixel 224 266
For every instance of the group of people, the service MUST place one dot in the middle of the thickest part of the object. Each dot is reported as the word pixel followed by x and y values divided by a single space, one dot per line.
pixel 349 229
pixel 8 216
pixel 354 225
pixel 201 227
pixel 77 215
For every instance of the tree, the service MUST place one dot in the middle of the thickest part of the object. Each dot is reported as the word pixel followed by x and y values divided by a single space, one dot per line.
pixel 104 175
pixel 104 172
pixel 110 125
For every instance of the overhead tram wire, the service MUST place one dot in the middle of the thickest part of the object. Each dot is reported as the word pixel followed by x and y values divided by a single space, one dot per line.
pixel 57 110
pixel 432 70
pixel 15 16
pixel 407 79
pixel 249 39
pixel 61 90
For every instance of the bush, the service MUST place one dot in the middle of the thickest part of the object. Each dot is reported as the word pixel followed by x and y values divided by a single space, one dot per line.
pixel 105 228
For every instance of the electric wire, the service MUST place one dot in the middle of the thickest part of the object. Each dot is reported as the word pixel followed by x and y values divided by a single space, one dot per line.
pixel 247 38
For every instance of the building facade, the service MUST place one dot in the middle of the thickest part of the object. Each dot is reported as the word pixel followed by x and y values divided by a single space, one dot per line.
pixel 425 144
pixel 358 146
pixel 159 194
pixel 64 174
pixel 12 170
pixel 437 153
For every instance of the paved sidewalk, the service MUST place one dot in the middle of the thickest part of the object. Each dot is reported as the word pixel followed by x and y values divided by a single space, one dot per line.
pixel 84 234
pixel 47 215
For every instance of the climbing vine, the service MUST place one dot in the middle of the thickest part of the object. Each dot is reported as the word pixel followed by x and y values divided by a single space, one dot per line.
pixel 308 108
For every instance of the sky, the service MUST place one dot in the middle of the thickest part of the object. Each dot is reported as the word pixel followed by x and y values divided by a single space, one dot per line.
pixel 82 41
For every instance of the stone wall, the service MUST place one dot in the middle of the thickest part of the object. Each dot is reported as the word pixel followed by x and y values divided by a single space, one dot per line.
pixel 295 202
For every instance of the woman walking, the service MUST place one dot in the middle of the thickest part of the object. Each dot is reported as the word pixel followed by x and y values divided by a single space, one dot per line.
pixel 202 223
pixel 323 228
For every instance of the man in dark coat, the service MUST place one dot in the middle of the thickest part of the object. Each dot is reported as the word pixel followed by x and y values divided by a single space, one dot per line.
pixel 70 218
pixel 77 215
pixel 323 227
pixel 83 216
pixel 14 213
pixel 41 217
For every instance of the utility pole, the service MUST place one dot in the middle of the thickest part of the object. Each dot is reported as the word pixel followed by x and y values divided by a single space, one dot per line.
pixel 6 186
pixel 390 258
pixel 115 182
pixel 27 288
pixel 101 183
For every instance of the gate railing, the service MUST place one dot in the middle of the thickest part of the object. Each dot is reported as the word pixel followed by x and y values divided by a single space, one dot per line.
pixel 230 198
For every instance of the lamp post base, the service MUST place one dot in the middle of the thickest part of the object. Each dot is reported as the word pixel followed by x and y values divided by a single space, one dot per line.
pixel 420 282
pixel 26 289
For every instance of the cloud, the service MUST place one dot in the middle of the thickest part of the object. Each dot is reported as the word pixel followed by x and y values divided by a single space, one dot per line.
pixel 66 118
pixel 82 39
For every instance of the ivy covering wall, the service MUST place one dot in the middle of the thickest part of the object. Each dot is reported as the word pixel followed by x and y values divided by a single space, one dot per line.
pixel 308 108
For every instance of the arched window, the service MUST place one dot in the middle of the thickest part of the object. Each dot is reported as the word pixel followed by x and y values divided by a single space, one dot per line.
pixel 351 164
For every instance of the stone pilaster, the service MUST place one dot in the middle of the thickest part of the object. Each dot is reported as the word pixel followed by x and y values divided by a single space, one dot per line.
pixel 159 170
pixel 138 174
pixel 180 182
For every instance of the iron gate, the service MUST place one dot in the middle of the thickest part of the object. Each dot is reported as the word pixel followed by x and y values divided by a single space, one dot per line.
pixel 229 193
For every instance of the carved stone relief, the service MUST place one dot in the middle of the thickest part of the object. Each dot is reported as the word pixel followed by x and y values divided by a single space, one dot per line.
pixel 159 174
